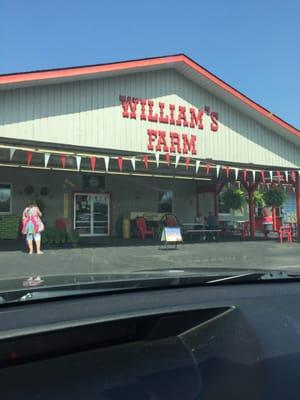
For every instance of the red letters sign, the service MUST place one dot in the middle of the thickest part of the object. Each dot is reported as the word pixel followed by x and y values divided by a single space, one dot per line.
pixel 159 112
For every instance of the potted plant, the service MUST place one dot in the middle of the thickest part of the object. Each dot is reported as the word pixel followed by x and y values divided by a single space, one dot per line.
pixel 73 237
pixel 234 199
pixel 274 197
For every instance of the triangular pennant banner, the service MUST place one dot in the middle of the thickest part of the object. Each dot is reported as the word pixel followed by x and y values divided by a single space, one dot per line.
pixel 218 170
pixel 46 159
pixel 236 170
pixel 207 168
pixel 227 169
pixel 78 162
pixel 168 158
pixel 177 160
pixel 187 163
pixel 278 175
pixel 29 157
pixel 106 162
pixel 120 163
pixel 133 162
pixel 286 176
pixel 253 175
pixel 146 161
pixel 93 163
pixel 197 166
pixel 157 159
pixel 271 175
pixel 63 160
pixel 11 152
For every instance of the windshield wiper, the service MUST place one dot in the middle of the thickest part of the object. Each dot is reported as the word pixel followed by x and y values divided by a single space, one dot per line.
pixel 257 277
pixel 167 281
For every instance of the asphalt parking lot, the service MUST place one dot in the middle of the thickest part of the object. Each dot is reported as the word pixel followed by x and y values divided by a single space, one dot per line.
pixel 124 259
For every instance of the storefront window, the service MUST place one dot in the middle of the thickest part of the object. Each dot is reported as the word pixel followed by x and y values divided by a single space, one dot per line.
pixel 165 204
pixel 5 198
pixel 222 208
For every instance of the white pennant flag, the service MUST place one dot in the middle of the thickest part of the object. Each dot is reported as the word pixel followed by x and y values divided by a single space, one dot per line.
pixel 286 176
pixel 253 174
pixel 157 159
pixel 271 176
pixel 133 162
pixel 236 173
pixel 11 152
pixel 177 160
pixel 106 160
pixel 46 159
pixel 197 166
pixel 78 162
pixel 218 170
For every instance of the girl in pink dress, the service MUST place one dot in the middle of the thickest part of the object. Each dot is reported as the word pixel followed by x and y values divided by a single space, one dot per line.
pixel 32 227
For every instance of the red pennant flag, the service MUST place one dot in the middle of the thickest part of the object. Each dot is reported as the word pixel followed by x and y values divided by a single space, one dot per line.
pixel 227 168
pixel 146 161
pixel 168 158
pixel 120 163
pixel 278 175
pixel 187 163
pixel 63 160
pixel 262 173
pixel 207 168
pixel 93 163
pixel 245 175
pixel 29 157
pixel 293 176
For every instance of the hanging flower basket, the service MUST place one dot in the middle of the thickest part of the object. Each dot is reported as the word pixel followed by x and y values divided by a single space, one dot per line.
pixel 258 198
pixel 274 197
pixel 234 199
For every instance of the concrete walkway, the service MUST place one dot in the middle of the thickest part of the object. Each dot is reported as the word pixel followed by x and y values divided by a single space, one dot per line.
pixel 259 255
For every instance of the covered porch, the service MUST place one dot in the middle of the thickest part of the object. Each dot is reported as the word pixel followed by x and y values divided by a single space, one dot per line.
pixel 92 192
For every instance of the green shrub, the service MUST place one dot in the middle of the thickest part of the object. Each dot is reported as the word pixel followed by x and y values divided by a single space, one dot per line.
pixel 9 226
pixel 59 236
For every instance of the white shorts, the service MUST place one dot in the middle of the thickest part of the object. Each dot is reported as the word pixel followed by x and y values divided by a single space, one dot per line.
pixel 31 236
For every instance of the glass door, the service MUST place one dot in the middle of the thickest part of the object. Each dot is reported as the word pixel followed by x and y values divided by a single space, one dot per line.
pixel 100 214
pixel 91 214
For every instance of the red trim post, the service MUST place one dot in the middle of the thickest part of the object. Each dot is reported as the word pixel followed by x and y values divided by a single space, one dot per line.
pixel 297 184
pixel 250 189
pixel 251 214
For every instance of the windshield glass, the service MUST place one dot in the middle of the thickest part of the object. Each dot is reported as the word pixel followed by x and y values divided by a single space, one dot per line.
pixel 147 167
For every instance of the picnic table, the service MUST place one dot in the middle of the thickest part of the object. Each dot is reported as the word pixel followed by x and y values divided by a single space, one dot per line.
pixel 204 231
pixel 240 227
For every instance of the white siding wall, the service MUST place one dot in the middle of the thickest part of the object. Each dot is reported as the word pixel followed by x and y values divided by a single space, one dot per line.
pixel 88 113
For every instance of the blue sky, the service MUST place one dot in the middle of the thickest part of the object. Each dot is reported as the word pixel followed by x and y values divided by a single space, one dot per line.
pixel 252 45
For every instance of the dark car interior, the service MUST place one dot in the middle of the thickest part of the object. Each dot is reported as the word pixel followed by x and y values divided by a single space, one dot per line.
pixel 232 341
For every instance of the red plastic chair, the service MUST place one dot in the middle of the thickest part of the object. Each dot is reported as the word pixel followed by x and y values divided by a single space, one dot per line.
pixel 142 228
pixel 285 231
